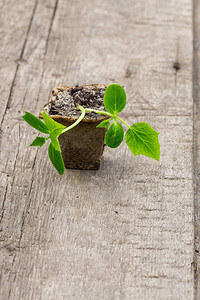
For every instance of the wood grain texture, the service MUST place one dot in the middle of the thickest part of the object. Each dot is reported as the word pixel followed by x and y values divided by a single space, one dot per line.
pixel 15 23
pixel 196 158
pixel 125 231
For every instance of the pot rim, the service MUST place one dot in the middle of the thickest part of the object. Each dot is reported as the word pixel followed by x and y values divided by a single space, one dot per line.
pixel 86 119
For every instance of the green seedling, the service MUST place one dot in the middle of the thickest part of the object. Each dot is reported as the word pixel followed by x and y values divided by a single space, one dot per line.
pixel 140 137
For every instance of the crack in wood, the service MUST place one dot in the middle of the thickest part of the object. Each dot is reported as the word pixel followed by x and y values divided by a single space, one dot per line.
pixel 46 46
pixel 176 65
pixel 24 215
pixel 14 167
pixel 18 64
pixel 196 143
pixel 50 27
pixel 3 204
pixel 10 288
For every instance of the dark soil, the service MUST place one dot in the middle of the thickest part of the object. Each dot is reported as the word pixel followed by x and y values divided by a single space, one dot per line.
pixel 65 102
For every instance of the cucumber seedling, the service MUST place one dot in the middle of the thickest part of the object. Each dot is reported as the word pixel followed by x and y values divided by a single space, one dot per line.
pixel 140 137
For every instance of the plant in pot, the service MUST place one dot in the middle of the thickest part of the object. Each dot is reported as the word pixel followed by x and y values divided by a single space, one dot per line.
pixel 79 120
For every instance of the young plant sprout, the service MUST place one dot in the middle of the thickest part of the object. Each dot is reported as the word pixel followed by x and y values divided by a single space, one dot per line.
pixel 140 137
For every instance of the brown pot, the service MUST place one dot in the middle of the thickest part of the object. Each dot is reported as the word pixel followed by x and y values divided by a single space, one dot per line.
pixel 82 146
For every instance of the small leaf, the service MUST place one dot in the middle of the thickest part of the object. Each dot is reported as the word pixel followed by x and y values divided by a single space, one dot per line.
pixel 39 141
pixel 35 122
pixel 104 123
pixel 56 159
pixel 114 135
pixel 143 139
pixel 114 98
pixel 52 125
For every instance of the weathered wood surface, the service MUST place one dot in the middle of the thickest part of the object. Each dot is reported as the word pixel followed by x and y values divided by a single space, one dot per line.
pixel 196 157
pixel 125 231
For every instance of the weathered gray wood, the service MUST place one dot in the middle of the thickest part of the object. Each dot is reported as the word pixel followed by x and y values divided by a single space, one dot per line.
pixel 15 23
pixel 125 231
pixel 196 164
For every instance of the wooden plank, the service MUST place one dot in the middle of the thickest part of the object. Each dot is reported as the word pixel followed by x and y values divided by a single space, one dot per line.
pixel 196 165
pixel 125 231
pixel 15 26
pixel 12 136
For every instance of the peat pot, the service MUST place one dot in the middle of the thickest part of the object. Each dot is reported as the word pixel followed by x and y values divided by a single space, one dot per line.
pixel 82 146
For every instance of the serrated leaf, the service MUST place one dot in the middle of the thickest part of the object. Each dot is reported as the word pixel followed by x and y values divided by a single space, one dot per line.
pixel 39 141
pixel 142 139
pixel 52 125
pixel 114 135
pixel 114 98
pixel 104 124
pixel 56 159
pixel 35 122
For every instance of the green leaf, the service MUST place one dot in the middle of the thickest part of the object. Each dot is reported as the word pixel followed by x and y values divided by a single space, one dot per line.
pixel 104 123
pixel 114 98
pixel 114 135
pixel 39 141
pixel 56 159
pixel 35 122
pixel 52 125
pixel 143 140
pixel 55 142
pixel 56 132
